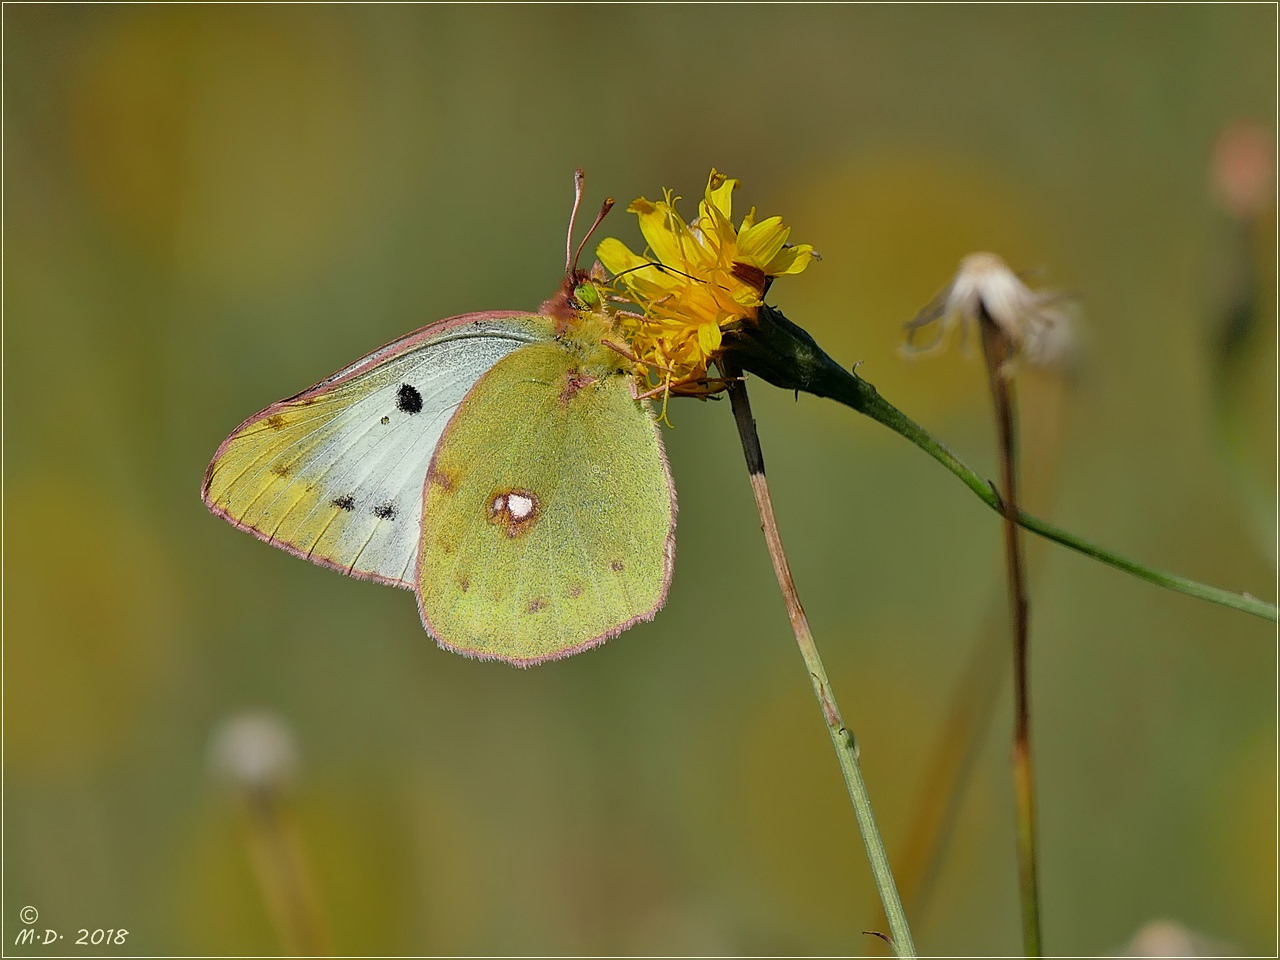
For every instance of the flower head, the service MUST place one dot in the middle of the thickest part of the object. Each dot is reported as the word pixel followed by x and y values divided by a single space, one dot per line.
pixel 694 280
pixel 984 289
pixel 253 750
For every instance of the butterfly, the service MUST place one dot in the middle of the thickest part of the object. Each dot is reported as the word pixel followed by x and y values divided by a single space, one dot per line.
pixel 501 465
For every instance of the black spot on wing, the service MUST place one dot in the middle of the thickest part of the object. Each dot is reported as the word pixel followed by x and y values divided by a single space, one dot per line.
pixel 384 421
pixel 385 511
pixel 409 399
pixel 345 503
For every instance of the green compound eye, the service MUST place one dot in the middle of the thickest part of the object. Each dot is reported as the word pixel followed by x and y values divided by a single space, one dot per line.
pixel 587 294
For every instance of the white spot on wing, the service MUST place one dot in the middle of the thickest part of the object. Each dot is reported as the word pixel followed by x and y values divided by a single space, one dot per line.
pixel 519 506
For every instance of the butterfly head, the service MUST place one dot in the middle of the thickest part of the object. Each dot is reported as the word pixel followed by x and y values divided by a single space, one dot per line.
pixel 580 293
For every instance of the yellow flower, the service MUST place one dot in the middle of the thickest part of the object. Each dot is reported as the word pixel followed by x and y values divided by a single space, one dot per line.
pixel 694 280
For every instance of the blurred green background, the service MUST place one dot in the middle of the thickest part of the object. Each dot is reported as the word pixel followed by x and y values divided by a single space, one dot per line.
pixel 209 208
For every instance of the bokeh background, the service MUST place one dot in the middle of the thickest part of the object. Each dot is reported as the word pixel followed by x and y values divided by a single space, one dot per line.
pixel 209 208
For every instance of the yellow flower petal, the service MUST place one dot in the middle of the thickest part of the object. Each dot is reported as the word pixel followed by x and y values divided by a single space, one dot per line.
pixel 790 260
pixel 656 226
pixel 761 243
pixel 640 272
pixel 709 338
pixel 720 193
pixel 714 233
pixel 617 256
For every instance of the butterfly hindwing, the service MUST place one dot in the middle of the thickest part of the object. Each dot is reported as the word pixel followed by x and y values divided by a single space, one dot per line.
pixel 548 523
pixel 336 474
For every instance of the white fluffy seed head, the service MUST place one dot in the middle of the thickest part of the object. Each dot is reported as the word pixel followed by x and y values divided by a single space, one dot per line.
pixel 253 750
pixel 1032 321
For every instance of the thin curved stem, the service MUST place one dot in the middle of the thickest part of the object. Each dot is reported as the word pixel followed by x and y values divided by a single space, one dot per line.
pixel 786 356
pixel 882 411
pixel 997 352
pixel 842 738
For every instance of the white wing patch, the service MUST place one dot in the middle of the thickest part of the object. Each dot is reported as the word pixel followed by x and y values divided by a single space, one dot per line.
pixel 336 474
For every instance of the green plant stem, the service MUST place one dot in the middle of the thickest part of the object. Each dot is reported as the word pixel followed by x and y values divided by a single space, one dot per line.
pixel 884 412
pixel 785 355
pixel 842 738
pixel 282 875
pixel 997 351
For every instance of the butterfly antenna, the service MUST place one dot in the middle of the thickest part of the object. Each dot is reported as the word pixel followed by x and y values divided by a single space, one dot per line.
pixel 604 212
pixel 570 260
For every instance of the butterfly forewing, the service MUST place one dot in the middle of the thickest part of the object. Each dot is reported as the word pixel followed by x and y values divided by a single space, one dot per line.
pixel 548 523
pixel 336 474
